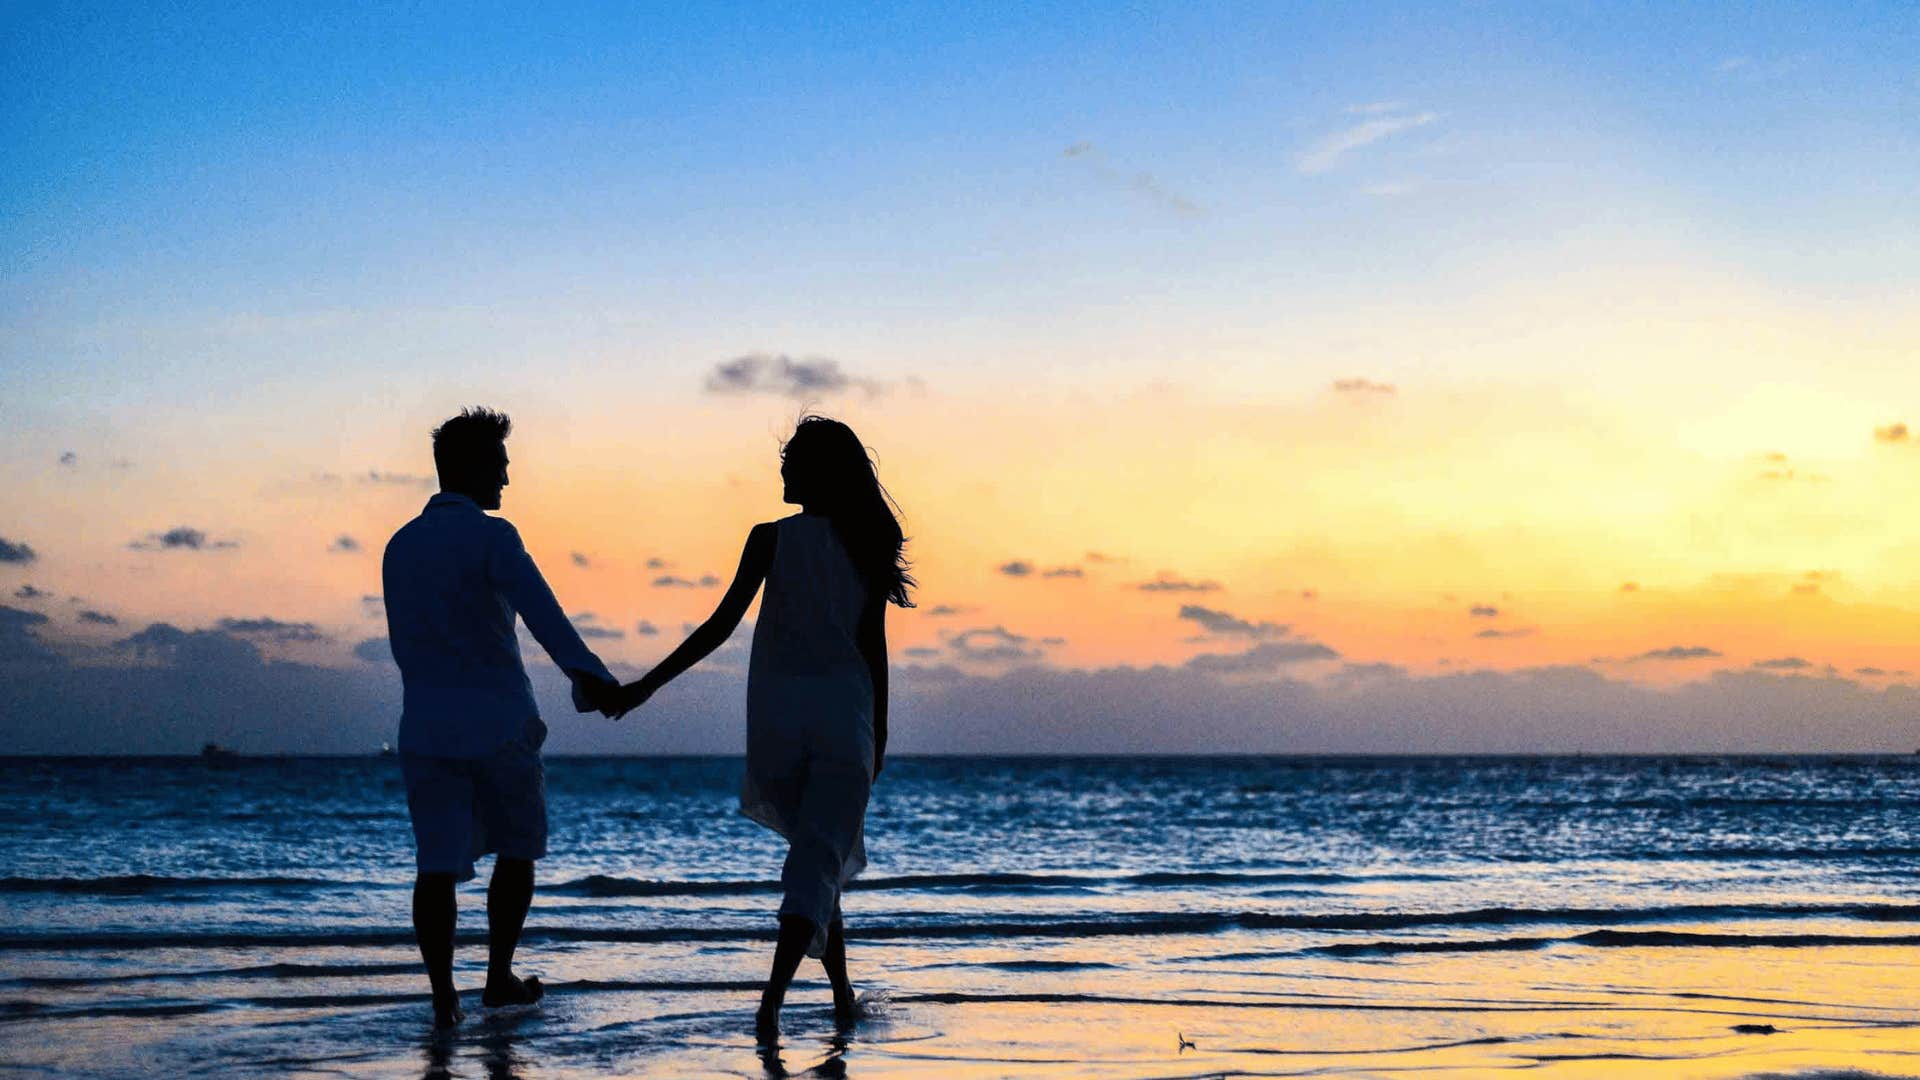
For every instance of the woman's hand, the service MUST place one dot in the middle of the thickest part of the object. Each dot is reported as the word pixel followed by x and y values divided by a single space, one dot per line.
pixel 630 697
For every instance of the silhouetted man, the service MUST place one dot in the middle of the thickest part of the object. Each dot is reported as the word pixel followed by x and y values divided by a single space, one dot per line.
pixel 470 733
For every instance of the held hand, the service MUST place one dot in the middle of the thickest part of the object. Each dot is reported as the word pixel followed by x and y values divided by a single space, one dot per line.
pixel 595 694
pixel 628 698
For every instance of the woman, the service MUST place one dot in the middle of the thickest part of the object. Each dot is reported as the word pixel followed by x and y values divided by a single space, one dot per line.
pixel 816 686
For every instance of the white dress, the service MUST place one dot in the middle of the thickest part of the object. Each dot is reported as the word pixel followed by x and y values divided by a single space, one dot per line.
pixel 810 718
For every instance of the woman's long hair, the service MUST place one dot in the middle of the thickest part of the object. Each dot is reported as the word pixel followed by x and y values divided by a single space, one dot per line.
pixel 826 465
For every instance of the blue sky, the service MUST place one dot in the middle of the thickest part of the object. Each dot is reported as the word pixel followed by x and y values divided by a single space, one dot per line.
pixel 1408 307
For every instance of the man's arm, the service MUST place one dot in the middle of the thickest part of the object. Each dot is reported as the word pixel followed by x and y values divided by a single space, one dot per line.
pixel 513 572
pixel 873 647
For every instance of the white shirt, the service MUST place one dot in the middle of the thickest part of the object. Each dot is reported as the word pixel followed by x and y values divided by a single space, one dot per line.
pixel 455 577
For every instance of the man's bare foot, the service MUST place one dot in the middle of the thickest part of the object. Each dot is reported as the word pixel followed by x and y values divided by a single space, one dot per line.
pixel 446 1013
pixel 512 991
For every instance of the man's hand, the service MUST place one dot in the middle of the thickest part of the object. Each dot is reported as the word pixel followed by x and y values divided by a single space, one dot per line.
pixel 590 692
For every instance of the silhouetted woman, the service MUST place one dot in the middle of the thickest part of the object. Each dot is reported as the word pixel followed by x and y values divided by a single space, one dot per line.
pixel 816 686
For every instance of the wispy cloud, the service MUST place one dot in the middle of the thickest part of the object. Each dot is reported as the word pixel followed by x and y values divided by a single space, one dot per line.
pixel 1326 153
pixel 181 538
pixel 1360 387
pixel 1167 581
pixel 787 376
pixel 344 545
pixel 1263 658
pixel 993 644
pixel 1143 184
pixel 1225 624
pixel 273 629
pixel 19 554
pixel 1678 652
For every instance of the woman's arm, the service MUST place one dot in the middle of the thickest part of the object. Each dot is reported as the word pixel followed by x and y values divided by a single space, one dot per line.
pixel 755 559
pixel 873 646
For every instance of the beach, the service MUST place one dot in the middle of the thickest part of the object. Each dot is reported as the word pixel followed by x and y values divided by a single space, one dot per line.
pixel 1389 917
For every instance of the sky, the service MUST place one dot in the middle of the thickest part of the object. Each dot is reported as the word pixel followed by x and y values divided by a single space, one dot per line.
pixel 1258 378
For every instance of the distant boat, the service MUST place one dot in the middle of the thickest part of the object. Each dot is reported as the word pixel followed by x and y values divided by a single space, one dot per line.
pixel 213 751
pixel 386 750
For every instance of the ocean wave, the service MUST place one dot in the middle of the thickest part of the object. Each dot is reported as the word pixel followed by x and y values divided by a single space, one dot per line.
pixel 139 884
pixel 603 885
pixel 1615 939
pixel 1132 925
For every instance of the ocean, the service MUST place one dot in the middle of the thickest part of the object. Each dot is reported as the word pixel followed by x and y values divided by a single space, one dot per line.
pixel 1124 917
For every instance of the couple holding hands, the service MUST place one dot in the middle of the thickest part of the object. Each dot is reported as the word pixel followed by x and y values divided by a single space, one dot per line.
pixel 456 579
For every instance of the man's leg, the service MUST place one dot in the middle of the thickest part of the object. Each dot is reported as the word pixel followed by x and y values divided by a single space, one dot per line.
pixel 434 917
pixel 509 895
pixel 513 802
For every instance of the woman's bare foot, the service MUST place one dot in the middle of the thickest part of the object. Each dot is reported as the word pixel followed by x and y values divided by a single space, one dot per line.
pixel 512 991
pixel 846 1008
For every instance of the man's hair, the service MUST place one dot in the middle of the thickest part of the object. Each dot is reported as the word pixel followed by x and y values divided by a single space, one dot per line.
pixel 466 443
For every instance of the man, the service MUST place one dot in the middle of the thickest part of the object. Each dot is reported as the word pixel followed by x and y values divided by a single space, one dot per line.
pixel 470 733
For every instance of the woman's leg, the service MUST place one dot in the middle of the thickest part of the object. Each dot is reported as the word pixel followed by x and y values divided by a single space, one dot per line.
pixel 796 933
pixel 835 961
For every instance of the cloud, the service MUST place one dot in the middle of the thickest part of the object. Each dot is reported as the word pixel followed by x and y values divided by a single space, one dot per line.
pixel 1892 433
pixel 764 373
pixel 69 459
pixel 943 611
pixel 587 625
pixel 1364 388
pixel 1102 557
pixel 272 629
pixel 1326 153
pixel 646 629
pixel 394 479
pixel 170 645
pixel 1375 670
pixel 20 639
pixel 181 538
pixel 921 652
pixel 192 687
pixel 97 618
pixel 669 581
pixel 371 604
pixel 19 554
pixel 28 592
pixel 1497 635
pixel 580 560
pixel 1262 659
pixel 344 545
pixel 1167 581
pixel 1222 624
pixel 1784 663
pixel 1678 652
pixel 1064 572
pixel 1143 184
pixel 374 650
pixel 993 644
pixel 1016 568
pixel 1483 611
pixel 1629 586
pixel 657 563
